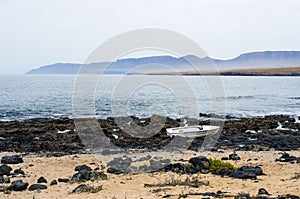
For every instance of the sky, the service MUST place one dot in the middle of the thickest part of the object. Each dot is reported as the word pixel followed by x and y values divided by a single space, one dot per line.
pixel 34 33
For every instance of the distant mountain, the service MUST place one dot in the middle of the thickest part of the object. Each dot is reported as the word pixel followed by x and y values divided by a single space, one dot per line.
pixel 169 64
pixel 264 59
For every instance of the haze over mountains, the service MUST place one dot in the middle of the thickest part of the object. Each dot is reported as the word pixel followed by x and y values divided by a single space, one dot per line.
pixel 168 64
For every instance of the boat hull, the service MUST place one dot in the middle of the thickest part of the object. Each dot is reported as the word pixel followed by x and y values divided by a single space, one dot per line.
pixel 193 131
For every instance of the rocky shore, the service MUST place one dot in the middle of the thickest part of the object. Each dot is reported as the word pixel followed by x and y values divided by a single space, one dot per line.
pixel 59 136
pixel 253 158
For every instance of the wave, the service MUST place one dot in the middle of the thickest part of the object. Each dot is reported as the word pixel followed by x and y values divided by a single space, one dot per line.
pixel 296 98
pixel 240 97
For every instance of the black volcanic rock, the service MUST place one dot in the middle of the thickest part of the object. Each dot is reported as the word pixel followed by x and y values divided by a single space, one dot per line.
pixel 82 167
pixel 11 160
pixel 65 180
pixel 5 170
pixel 287 158
pixel 200 164
pixel 263 191
pixel 42 180
pixel 234 156
pixel 253 134
pixel 19 185
pixel 53 182
pixel 242 175
pixel 247 172
pixel 37 187
pixel 19 171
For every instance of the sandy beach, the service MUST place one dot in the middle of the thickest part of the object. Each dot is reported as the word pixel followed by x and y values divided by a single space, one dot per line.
pixel 280 178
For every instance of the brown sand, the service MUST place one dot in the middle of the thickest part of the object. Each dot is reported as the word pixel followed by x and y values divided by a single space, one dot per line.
pixel 278 180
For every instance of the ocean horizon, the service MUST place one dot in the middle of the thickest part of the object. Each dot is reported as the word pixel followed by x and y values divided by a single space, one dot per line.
pixel 50 96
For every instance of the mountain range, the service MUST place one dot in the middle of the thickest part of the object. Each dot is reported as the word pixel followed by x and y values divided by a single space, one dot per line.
pixel 252 61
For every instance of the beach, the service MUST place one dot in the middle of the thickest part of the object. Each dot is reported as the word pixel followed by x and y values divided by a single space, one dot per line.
pixel 52 149
pixel 279 179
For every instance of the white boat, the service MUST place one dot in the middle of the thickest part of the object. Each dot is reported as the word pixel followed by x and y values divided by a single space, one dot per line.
pixel 193 131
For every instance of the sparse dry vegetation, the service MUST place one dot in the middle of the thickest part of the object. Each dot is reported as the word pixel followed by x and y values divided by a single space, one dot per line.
pixel 190 181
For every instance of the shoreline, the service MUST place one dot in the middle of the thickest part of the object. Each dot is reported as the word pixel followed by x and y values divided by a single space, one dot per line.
pixel 44 135
pixel 52 149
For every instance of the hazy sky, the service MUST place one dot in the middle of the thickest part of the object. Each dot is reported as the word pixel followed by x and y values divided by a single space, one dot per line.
pixel 41 32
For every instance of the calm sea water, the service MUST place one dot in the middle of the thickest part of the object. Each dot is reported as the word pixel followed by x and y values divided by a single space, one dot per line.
pixel 26 96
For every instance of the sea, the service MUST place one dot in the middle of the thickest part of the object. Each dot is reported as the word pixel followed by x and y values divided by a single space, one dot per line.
pixel 55 96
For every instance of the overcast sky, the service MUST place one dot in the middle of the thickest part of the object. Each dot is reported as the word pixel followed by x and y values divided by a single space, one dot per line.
pixel 41 32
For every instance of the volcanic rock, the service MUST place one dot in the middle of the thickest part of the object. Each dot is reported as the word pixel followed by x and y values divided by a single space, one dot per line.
pixel 19 185
pixel 42 180
pixel 65 180
pixel 19 171
pixel 53 182
pixel 200 164
pixel 263 191
pixel 37 187
pixel 82 167
pixel 11 160
pixel 5 170
pixel 286 158
pixel 234 156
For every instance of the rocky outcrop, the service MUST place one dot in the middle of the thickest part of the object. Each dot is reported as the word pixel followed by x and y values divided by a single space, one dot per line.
pixel 57 137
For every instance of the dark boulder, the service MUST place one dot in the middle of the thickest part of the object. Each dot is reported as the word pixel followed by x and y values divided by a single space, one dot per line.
pixel 263 191
pixel 5 170
pixel 115 171
pixel 286 158
pixel 200 164
pixel 249 169
pixel 242 175
pixel 37 187
pixel 82 175
pixel 83 167
pixel 65 180
pixel 247 172
pixel 11 159
pixel 224 158
pixel 53 182
pixel 177 168
pixel 19 171
pixel 234 156
pixel 85 175
pixel 42 180
pixel 19 185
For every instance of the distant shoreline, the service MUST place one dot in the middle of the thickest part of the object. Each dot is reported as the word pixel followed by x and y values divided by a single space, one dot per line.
pixel 283 71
